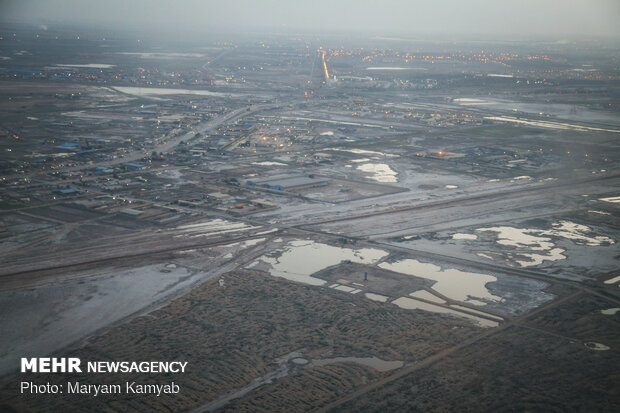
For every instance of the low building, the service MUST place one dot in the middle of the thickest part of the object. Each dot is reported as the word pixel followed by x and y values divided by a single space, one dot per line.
pixel 287 183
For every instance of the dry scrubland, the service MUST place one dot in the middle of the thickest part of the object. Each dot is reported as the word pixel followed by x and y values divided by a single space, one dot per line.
pixel 232 335
pixel 540 365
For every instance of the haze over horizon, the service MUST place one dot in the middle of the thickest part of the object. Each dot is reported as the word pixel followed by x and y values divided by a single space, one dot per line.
pixel 482 18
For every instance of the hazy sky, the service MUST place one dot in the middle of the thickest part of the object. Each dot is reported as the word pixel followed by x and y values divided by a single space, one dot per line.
pixel 555 18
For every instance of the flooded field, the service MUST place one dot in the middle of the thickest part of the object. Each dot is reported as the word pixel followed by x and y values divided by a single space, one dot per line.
pixel 464 236
pixel 80 307
pixel 554 110
pixel 269 163
pixel 300 259
pixel 318 264
pixel 412 304
pixel 458 285
pixel 613 199
pixel 539 245
pixel 377 297
pixel 596 346
pixel 365 152
pixel 425 295
pixel 163 55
